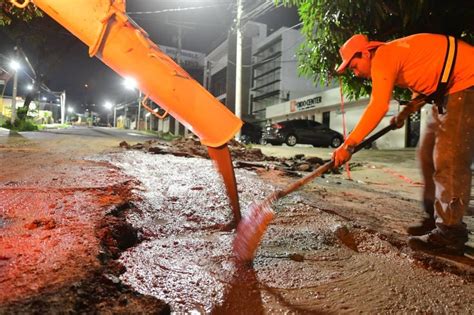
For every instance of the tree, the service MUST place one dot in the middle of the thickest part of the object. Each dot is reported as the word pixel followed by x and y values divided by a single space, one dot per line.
pixel 9 12
pixel 329 23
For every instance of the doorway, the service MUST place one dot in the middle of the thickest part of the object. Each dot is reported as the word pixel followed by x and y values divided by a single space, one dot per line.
pixel 413 130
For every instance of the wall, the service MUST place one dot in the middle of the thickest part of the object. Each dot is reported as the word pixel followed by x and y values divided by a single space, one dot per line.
pixel 292 82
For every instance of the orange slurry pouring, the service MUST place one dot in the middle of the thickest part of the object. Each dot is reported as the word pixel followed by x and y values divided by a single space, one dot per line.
pixel 223 161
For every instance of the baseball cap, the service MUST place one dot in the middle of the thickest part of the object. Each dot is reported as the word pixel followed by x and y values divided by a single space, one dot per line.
pixel 357 43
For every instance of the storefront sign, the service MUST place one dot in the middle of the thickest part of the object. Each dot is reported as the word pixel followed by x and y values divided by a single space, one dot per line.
pixel 297 106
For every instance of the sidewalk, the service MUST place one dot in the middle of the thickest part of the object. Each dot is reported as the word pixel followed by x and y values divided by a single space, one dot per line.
pixel 4 132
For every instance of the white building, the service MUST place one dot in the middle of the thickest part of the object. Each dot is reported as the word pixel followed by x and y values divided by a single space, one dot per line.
pixel 274 72
pixel 219 73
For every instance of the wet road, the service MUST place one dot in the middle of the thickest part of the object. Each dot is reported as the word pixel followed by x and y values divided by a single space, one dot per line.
pixel 311 260
pixel 95 132
pixel 337 246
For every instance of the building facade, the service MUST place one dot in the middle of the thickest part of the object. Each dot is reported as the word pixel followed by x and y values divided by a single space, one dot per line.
pixel 274 72
pixel 220 66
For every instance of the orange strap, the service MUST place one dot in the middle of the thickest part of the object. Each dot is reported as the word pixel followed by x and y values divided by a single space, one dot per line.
pixel 448 66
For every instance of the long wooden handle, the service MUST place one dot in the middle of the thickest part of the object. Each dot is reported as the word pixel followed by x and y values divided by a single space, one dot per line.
pixel 412 106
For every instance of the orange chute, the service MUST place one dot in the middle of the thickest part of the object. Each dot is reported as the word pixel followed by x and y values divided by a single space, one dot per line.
pixel 125 47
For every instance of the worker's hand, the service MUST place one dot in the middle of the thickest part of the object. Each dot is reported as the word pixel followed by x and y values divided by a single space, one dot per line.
pixel 343 153
pixel 410 107
pixel 398 121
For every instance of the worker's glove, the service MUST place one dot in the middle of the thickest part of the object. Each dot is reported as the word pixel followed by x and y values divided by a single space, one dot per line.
pixel 343 153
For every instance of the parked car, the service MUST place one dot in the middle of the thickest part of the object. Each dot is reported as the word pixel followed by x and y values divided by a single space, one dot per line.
pixel 302 131
pixel 250 133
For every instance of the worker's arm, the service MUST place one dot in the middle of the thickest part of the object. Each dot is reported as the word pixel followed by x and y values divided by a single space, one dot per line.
pixel 383 81
pixel 382 87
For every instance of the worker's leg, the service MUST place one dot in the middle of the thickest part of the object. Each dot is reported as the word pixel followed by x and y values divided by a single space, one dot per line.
pixel 425 156
pixel 453 150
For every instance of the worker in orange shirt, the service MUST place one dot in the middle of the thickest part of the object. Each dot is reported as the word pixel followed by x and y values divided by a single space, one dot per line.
pixel 446 149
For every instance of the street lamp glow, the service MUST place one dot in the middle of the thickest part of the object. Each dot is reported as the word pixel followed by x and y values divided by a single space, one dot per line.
pixel 130 83
pixel 44 98
pixel 29 87
pixel 70 110
pixel 108 105
pixel 15 65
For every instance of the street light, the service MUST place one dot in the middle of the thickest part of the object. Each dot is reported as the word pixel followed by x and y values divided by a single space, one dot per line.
pixel 132 84
pixel 108 105
pixel 15 66
pixel 70 110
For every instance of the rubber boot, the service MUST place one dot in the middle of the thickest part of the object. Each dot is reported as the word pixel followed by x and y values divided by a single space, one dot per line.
pixel 427 224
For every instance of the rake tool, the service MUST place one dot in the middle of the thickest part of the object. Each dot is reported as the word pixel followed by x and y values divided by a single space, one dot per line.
pixel 252 227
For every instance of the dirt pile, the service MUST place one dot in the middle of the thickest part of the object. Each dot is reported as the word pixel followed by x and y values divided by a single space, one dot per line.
pixel 242 155
pixel 192 147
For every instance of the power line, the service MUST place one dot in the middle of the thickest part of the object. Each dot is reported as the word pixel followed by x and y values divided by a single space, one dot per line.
pixel 261 10
pixel 177 9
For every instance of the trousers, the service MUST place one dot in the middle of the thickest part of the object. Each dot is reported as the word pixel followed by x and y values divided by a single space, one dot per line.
pixel 446 153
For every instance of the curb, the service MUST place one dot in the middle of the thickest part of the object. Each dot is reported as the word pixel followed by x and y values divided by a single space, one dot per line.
pixel 7 132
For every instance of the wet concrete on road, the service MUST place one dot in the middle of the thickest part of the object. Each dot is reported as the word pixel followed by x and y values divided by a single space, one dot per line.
pixel 315 257
pixel 336 246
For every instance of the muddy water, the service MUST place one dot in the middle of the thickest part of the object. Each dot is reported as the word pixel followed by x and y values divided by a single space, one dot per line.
pixel 309 261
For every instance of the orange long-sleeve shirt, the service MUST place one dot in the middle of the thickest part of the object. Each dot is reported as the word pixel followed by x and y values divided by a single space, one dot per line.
pixel 413 62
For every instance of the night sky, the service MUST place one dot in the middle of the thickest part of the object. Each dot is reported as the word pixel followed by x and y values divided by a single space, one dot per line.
pixel 66 65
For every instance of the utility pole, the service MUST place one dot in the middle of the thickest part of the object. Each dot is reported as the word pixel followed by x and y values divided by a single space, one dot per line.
pixel 15 89
pixel 178 56
pixel 62 98
pixel 180 45
pixel 139 108
pixel 115 116
pixel 238 65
